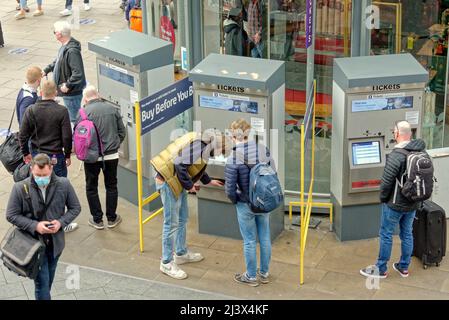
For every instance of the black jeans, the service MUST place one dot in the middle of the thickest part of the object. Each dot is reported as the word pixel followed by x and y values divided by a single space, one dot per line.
pixel 92 171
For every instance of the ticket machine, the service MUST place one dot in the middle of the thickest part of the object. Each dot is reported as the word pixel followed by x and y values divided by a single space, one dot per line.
pixel 228 88
pixel 130 67
pixel 370 94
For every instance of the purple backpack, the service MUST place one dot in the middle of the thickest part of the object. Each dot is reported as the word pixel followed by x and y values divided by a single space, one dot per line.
pixel 86 139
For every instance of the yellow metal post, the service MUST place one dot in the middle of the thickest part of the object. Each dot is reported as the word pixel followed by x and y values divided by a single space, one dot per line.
pixel 301 253
pixel 139 171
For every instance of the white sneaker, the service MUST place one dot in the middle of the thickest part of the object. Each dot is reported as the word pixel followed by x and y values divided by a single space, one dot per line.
pixel 188 257
pixel 86 7
pixel 71 227
pixel 65 13
pixel 171 269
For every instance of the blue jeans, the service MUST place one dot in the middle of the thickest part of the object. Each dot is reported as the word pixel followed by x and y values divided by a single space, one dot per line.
pixel 68 3
pixel 45 277
pixel 60 168
pixel 176 215
pixel 73 104
pixel 253 225
pixel 23 3
pixel 257 51
pixel 389 222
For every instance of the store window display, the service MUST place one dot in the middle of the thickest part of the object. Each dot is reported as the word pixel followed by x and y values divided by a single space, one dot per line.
pixel 421 28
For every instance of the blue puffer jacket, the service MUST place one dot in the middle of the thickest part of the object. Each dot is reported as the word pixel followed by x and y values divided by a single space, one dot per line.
pixel 244 156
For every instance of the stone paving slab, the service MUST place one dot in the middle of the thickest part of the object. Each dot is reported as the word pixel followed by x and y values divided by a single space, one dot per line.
pixel 120 271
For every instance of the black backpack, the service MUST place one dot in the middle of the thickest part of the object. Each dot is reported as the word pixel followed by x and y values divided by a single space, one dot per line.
pixel 417 181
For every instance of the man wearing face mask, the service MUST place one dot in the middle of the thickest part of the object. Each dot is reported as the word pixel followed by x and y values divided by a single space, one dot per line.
pixel 44 204
pixel 47 125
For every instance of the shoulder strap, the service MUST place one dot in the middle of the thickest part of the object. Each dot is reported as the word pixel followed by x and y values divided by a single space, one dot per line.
pixel 403 151
pixel 83 114
pixel 27 197
pixel 35 128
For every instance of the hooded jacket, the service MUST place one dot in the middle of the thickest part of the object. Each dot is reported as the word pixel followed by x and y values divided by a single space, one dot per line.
pixel 71 69
pixel 235 38
pixel 238 167
pixel 394 168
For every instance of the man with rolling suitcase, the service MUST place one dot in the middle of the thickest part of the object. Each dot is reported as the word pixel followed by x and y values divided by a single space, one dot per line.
pixel 402 190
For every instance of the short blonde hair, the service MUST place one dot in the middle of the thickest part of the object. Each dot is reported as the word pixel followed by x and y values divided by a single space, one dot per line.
pixel 49 89
pixel 240 129
pixel 90 92
pixel 404 128
pixel 33 74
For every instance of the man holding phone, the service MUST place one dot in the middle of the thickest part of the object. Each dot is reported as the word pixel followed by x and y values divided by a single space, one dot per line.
pixel 44 204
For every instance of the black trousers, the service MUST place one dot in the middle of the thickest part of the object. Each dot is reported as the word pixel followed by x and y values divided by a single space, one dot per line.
pixel 92 171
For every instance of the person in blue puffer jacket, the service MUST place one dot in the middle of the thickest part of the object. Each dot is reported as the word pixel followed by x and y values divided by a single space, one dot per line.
pixel 245 155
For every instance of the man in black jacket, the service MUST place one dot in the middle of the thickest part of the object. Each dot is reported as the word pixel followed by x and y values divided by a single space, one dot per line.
pixel 68 69
pixel 47 125
pixel 112 132
pixel 236 38
pixel 44 204
pixel 396 209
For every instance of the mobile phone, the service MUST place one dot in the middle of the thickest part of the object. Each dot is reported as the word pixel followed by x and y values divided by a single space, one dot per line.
pixel 50 226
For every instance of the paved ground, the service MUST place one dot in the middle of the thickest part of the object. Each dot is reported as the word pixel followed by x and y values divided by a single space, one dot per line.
pixel 331 267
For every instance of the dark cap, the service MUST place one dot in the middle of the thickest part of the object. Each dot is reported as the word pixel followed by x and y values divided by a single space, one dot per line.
pixel 235 12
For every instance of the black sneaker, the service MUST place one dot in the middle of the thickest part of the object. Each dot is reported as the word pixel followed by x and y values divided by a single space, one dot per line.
pixel 242 278
pixel 373 272
pixel 115 223
pixel 402 272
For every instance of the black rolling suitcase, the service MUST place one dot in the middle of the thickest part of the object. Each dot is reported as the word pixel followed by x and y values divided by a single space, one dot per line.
pixel 2 42
pixel 429 234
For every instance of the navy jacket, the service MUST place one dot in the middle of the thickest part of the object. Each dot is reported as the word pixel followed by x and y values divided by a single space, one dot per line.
pixel 188 156
pixel 244 156
pixel 25 98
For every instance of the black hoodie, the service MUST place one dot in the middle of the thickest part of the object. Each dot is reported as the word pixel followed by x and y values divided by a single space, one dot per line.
pixel 71 69
pixel 394 168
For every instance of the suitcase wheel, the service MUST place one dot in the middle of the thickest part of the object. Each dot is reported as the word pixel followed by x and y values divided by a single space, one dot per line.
pixel 437 264
pixel 425 266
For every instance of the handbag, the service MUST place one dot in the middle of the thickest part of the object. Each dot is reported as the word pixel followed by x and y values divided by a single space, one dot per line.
pixel 23 171
pixel 22 253
pixel 10 153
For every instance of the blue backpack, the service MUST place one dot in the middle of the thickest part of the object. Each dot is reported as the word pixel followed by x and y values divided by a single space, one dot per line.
pixel 265 192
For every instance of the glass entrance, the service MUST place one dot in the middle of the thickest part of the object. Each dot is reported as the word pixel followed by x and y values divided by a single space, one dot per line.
pixel 275 29
pixel 420 28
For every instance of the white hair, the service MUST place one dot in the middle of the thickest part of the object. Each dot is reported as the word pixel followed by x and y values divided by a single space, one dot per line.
pixel 404 128
pixel 63 27
pixel 90 92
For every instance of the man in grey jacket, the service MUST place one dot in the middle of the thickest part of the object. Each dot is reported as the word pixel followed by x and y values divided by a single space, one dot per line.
pixel 111 130
pixel 38 205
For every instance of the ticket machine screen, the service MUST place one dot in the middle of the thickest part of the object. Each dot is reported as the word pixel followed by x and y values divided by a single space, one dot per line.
pixel 377 104
pixel 229 104
pixel 366 153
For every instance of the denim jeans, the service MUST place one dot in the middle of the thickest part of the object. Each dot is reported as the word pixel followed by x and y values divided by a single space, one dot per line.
pixel 68 3
pixel 390 220
pixel 23 3
pixel 176 215
pixel 73 104
pixel 253 225
pixel 257 51
pixel 45 277
pixel 60 168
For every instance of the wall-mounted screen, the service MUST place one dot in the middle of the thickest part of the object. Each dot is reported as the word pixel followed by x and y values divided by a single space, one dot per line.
pixel 229 104
pixel 117 75
pixel 388 103
pixel 366 153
